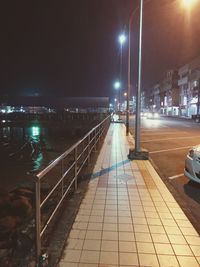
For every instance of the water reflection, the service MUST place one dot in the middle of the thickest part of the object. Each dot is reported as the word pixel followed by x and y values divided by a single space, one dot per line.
pixel 35 130
pixel 26 150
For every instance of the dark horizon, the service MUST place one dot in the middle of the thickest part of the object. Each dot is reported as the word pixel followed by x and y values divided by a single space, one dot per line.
pixel 71 48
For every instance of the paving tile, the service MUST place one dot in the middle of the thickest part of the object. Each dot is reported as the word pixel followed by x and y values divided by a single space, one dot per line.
pixel 195 250
pixel 148 260
pixel 127 246
pixel 108 257
pixel 95 226
pixel 143 237
pixel 89 256
pixel 189 231
pixel 129 259
pixel 187 261
pixel 177 239
pixel 154 221
pixel 151 214
pixel 97 213
pixel 110 219
pixel 169 222
pixel 192 240
pixel 87 265
pixel 68 264
pixel 165 249
pixel 108 245
pixel 74 243
pixel 126 236
pixel 174 230
pixel 143 247
pixel 110 235
pixel 160 238
pixel 93 235
pixel 96 219
pixel 182 250
pixel 125 227
pixel 71 255
pixel 125 220
pixel 137 220
pixel 91 244
pixel 110 227
pixel 77 234
pixel 156 229
pixel 168 261
pixel 141 228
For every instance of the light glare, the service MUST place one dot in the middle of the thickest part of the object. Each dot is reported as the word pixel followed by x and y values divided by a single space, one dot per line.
pixel 117 85
pixel 122 39
pixel 188 3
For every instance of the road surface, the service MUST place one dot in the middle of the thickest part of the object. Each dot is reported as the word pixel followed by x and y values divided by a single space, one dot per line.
pixel 168 141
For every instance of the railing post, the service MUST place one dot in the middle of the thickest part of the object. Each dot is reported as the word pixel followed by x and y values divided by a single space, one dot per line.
pixel 75 169
pixel 62 171
pixel 37 220
pixel 95 140
pixel 89 149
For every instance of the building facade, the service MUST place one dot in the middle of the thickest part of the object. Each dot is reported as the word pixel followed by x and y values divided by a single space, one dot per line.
pixel 178 94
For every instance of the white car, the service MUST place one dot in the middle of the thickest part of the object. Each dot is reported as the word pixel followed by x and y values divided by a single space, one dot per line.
pixel 152 115
pixel 192 164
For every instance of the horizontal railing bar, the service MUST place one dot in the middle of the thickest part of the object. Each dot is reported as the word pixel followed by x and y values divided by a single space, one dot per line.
pixel 68 170
pixel 56 208
pixel 82 152
pixel 54 163
pixel 50 193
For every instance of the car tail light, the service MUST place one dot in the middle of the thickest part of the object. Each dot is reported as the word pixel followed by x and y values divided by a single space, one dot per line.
pixel 191 153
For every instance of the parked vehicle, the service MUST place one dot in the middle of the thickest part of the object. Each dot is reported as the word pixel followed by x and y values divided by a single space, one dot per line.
pixel 192 164
pixel 152 115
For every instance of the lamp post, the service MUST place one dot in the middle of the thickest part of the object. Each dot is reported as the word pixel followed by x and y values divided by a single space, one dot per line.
pixel 117 86
pixel 122 40
pixel 136 153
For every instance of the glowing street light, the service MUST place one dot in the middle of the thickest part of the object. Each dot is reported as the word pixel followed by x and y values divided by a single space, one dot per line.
pixel 189 3
pixel 117 85
pixel 122 39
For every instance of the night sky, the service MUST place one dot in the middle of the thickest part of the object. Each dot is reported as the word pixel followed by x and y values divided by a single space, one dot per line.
pixel 70 47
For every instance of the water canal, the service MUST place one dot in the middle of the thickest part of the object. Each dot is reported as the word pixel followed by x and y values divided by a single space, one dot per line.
pixel 26 150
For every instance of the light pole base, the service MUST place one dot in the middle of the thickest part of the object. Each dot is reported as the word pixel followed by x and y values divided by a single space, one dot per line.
pixel 138 155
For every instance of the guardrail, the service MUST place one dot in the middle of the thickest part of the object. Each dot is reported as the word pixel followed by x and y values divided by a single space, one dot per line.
pixel 54 182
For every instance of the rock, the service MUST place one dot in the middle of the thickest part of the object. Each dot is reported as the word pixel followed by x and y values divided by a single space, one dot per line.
pixel 21 207
pixel 8 225
pixel 24 192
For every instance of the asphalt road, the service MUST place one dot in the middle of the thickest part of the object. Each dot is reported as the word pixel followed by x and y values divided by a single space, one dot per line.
pixel 168 141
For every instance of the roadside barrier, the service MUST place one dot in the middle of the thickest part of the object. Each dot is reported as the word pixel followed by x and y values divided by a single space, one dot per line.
pixel 54 183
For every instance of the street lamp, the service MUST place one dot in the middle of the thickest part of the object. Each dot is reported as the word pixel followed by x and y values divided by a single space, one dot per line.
pixel 117 85
pixel 189 3
pixel 137 153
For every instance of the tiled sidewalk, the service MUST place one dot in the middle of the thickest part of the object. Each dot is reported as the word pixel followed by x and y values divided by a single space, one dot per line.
pixel 128 217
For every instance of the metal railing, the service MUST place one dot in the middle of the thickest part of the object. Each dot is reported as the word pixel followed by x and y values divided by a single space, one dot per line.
pixel 54 182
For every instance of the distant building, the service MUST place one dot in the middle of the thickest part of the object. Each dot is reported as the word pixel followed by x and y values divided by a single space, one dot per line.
pixel 71 104
pixel 169 92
